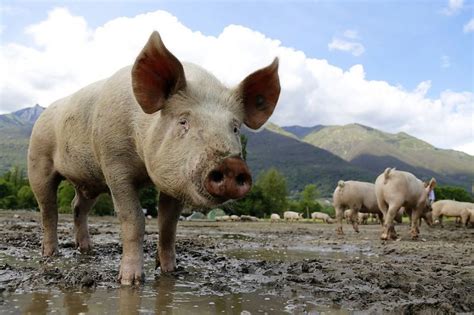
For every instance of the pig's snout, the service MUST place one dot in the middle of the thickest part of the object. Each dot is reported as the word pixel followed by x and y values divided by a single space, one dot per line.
pixel 229 180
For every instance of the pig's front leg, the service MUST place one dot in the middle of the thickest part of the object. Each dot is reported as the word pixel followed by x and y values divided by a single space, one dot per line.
pixel 168 215
pixel 415 221
pixel 132 226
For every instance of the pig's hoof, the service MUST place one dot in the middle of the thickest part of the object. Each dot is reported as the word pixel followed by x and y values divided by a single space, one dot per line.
pixel 84 246
pixel 384 237
pixel 130 277
pixel 339 231
pixel 166 265
pixel 47 250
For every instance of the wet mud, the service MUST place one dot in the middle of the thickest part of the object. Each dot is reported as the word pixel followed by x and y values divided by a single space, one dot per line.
pixel 234 267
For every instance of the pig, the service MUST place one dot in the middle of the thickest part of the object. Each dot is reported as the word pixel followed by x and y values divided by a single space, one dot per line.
pixel 292 216
pixel 425 216
pixel 321 216
pixel 159 122
pixel 468 213
pixel 363 218
pixel 395 189
pixel 358 196
pixel 223 218
pixel 348 216
pixel 275 217
pixel 451 208
pixel 234 218
pixel 248 218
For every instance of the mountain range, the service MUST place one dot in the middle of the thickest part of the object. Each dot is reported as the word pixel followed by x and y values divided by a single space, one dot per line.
pixel 320 154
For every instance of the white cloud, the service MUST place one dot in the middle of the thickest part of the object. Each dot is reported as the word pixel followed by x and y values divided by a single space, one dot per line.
pixel 348 43
pixel 445 62
pixel 354 48
pixel 454 6
pixel 69 54
pixel 469 26
pixel 351 34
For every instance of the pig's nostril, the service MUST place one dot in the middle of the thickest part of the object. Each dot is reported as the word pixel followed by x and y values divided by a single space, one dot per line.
pixel 241 179
pixel 216 176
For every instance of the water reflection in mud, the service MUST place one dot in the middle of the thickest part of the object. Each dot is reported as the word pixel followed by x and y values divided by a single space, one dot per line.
pixel 298 253
pixel 166 295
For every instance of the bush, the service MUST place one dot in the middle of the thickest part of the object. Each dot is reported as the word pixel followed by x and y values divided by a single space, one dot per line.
pixel 452 193
pixel 103 205
pixel 66 194
pixel 26 198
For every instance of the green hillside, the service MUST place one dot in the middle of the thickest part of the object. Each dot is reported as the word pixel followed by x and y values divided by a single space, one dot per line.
pixel 300 162
pixel 375 150
pixel 15 131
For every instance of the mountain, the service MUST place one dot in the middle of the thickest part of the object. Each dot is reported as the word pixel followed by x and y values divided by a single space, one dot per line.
pixel 15 131
pixel 301 132
pixel 300 162
pixel 374 150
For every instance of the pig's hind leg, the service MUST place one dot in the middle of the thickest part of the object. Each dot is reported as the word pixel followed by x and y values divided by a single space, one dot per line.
pixel 389 228
pixel 44 181
pixel 81 206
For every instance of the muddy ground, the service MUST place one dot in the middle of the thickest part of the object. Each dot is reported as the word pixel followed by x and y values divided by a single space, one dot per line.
pixel 279 267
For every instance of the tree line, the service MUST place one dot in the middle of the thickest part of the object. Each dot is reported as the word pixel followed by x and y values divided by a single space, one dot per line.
pixel 268 195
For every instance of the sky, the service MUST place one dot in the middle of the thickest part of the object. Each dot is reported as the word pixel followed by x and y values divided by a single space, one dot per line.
pixel 398 66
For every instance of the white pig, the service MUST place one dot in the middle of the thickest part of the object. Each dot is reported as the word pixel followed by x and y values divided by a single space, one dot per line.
pixel 160 122
pixel 395 189
pixel 292 216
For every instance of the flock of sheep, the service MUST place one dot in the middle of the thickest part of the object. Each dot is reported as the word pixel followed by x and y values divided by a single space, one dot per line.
pixel 394 193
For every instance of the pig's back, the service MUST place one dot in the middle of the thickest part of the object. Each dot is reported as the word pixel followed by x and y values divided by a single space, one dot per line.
pixel 63 133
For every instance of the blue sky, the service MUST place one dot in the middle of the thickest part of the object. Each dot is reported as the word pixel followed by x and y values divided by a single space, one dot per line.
pixel 405 41
pixel 393 65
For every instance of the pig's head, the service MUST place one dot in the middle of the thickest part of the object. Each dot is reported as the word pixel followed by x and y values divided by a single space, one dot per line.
pixel 424 200
pixel 192 146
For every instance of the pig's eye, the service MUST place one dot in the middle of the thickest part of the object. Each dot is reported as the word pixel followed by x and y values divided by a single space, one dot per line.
pixel 236 130
pixel 184 123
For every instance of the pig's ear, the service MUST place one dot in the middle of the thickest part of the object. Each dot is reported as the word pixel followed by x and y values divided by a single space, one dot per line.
pixel 260 92
pixel 431 184
pixel 156 75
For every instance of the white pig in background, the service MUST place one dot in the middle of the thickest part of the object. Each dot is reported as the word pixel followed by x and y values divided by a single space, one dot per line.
pixel 395 189
pixel 160 122
pixel 292 216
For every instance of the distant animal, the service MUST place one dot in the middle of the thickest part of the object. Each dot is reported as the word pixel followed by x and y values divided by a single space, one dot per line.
pixel 321 216
pixel 395 189
pixel 275 217
pixel 292 216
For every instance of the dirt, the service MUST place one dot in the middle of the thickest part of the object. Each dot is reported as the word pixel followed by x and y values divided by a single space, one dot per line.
pixel 275 267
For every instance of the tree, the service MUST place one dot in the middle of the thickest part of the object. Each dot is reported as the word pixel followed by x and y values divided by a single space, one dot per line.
pixel 66 193
pixel 148 200
pixel 253 204
pixel 26 198
pixel 308 199
pixel 274 191
pixel 103 205
pixel 452 193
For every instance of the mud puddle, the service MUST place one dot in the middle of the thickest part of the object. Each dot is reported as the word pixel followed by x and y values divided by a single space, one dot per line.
pixel 164 297
pixel 235 267
pixel 299 253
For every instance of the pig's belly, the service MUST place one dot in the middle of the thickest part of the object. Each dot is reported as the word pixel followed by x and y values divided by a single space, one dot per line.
pixel 78 165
